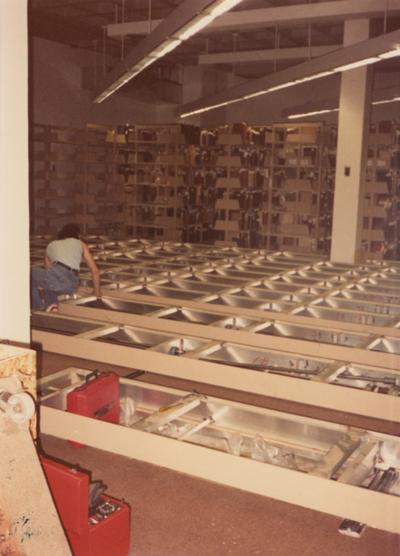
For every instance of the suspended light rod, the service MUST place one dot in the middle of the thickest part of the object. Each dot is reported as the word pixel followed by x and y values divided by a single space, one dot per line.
pixel 330 110
pixel 355 56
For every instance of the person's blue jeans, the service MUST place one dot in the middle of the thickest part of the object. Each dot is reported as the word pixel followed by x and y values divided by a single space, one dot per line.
pixel 51 283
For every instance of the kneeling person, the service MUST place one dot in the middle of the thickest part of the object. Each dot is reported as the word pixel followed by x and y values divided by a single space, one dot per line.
pixel 60 274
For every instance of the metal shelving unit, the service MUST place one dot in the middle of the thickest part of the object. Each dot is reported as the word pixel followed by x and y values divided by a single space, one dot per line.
pixel 268 186
pixel 382 193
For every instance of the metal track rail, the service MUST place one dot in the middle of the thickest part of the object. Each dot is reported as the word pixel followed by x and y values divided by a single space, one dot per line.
pixel 307 378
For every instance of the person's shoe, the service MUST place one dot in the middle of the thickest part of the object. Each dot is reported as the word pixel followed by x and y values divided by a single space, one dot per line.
pixel 52 308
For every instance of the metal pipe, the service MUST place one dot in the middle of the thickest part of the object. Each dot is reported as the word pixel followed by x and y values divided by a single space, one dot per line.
pixel 385 16
pixel 122 36
pixel 149 16
pixel 104 50
pixel 95 62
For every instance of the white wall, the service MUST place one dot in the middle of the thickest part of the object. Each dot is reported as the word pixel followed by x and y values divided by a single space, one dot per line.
pixel 14 209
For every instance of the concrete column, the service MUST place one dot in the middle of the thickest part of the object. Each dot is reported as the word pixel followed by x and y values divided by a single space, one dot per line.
pixel 14 192
pixel 354 118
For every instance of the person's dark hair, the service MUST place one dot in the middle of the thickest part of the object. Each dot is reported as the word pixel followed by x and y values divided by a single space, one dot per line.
pixel 69 230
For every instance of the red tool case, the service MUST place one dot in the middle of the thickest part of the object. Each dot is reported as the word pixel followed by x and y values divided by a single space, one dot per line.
pixel 103 531
pixel 97 398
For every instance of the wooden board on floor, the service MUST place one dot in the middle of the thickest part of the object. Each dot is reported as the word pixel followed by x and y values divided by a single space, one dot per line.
pixel 31 525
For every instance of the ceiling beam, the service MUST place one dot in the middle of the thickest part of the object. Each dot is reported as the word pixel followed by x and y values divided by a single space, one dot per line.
pixel 311 69
pixel 280 16
pixel 180 24
pixel 331 102
pixel 271 54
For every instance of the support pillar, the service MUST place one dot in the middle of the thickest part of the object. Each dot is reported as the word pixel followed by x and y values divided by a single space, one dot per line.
pixel 353 129
pixel 14 192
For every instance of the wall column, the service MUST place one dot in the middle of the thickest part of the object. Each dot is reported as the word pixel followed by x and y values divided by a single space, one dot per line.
pixel 354 118
pixel 14 191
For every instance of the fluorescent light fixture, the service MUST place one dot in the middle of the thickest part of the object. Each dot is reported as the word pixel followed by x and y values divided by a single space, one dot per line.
pixel 195 112
pixel 222 6
pixel 327 110
pixel 257 94
pixel 300 80
pixel 382 101
pixel 127 76
pixel 358 64
pixel 142 64
pixel 211 107
pixel 390 54
pixel 205 18
pixel 103 96
pixel 335 70
pixel 166 47
pixel 122 81
pixel 312 77
pixel 290 84
pixel 193 26
pixel 281 86
pixel 314 113
pixel 386 101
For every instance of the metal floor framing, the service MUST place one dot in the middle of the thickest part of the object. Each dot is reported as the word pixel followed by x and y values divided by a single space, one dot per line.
pixel 281 324
pixel 345 471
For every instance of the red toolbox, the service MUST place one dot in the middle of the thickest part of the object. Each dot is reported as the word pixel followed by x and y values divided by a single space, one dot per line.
pixel 96 525
pixel 97 398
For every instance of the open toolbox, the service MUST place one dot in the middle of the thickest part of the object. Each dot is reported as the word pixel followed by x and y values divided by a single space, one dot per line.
pixel 96 524
pixel 348 472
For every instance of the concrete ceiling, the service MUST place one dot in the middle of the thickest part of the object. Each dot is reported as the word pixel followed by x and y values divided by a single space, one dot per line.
pixel 255 39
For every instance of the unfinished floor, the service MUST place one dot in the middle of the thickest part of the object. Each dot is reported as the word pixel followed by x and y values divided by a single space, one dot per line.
pixel 177 515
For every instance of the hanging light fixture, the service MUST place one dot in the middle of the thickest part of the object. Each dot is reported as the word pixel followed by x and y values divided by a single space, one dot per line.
pixel 355 56
pixel 329 110
pixel 188 19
